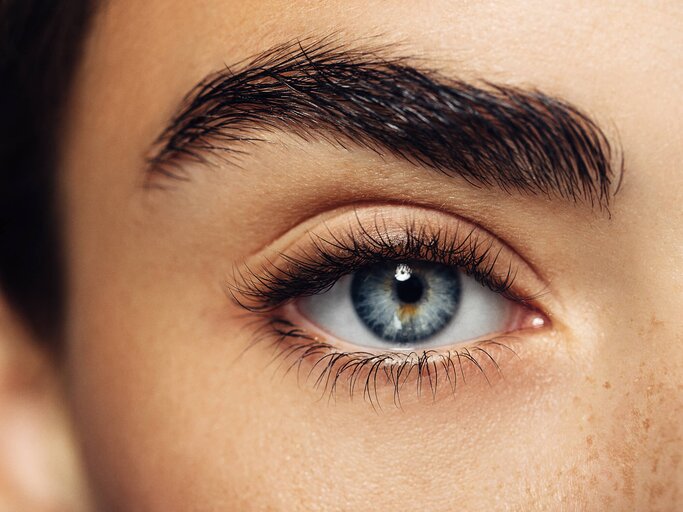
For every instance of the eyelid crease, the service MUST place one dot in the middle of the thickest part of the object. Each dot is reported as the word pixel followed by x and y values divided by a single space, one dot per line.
pixel 316 258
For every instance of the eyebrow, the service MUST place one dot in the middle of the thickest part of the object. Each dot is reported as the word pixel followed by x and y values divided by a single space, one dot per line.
pixel 490 135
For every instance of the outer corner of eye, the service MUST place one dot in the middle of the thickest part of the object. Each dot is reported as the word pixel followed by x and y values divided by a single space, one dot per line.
pixel 414 306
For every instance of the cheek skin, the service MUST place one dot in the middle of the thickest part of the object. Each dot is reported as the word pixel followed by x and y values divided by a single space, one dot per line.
pixel 173 415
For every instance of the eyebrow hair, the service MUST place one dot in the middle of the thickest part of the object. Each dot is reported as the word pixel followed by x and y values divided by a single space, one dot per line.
pixel 488 134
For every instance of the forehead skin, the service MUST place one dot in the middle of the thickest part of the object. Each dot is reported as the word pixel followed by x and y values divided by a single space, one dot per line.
pixel 168 416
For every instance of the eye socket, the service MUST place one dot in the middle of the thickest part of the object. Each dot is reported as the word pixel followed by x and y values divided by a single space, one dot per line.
pixel 365 298
pixel 411 306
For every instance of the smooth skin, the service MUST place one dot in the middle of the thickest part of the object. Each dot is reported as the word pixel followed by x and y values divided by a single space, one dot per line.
pixel 168 417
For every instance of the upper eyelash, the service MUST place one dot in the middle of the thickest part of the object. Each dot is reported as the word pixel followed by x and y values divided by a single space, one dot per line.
pixel 332 257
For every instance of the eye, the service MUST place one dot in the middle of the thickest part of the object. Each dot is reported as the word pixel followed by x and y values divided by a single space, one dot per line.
pixel 409 306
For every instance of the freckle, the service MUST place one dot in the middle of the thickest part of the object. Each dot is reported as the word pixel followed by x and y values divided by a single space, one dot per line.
pixel 657 491
pixel 646 424
pixel 589 440
pixel 607 385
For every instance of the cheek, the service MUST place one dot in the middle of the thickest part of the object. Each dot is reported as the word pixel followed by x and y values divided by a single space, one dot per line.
pixel 151 390
pixel 144 369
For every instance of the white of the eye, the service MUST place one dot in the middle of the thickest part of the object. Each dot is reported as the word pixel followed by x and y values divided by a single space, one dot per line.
pixel 482 312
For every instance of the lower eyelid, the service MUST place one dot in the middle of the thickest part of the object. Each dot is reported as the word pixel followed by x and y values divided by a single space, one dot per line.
pixel 337 371
pixel 392 378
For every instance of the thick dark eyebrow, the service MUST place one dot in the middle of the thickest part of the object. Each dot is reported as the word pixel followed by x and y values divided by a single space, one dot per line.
pixel 489 134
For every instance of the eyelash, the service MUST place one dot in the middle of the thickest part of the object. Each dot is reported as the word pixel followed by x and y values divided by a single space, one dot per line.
pixel 308 273
pixel 266 290
pixel 361 370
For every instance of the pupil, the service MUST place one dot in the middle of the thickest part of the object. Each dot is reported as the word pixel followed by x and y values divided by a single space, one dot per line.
pixel 409 291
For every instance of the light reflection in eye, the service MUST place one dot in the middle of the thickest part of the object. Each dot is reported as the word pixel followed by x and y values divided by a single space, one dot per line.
pixel 403 272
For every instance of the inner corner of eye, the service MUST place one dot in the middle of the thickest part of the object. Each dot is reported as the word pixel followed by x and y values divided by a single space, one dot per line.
pixel 409 306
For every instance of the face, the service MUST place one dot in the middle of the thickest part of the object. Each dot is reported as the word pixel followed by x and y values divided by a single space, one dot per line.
pixel 278 304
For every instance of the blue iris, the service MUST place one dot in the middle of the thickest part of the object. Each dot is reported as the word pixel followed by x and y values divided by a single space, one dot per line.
pixel 408 302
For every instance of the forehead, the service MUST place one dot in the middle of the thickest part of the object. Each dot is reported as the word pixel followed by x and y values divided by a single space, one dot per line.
pixel 523 41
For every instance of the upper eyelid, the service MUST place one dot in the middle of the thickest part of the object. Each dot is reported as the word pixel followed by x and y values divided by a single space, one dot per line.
pixel 260 265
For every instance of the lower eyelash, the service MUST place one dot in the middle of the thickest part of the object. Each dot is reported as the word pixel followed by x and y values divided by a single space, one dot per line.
pixel 332 371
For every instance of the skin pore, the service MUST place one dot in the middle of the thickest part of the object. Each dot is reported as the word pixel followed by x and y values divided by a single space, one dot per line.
pixel 171 411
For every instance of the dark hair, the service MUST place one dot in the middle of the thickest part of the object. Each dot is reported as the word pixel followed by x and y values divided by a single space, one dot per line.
pixel 40 43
